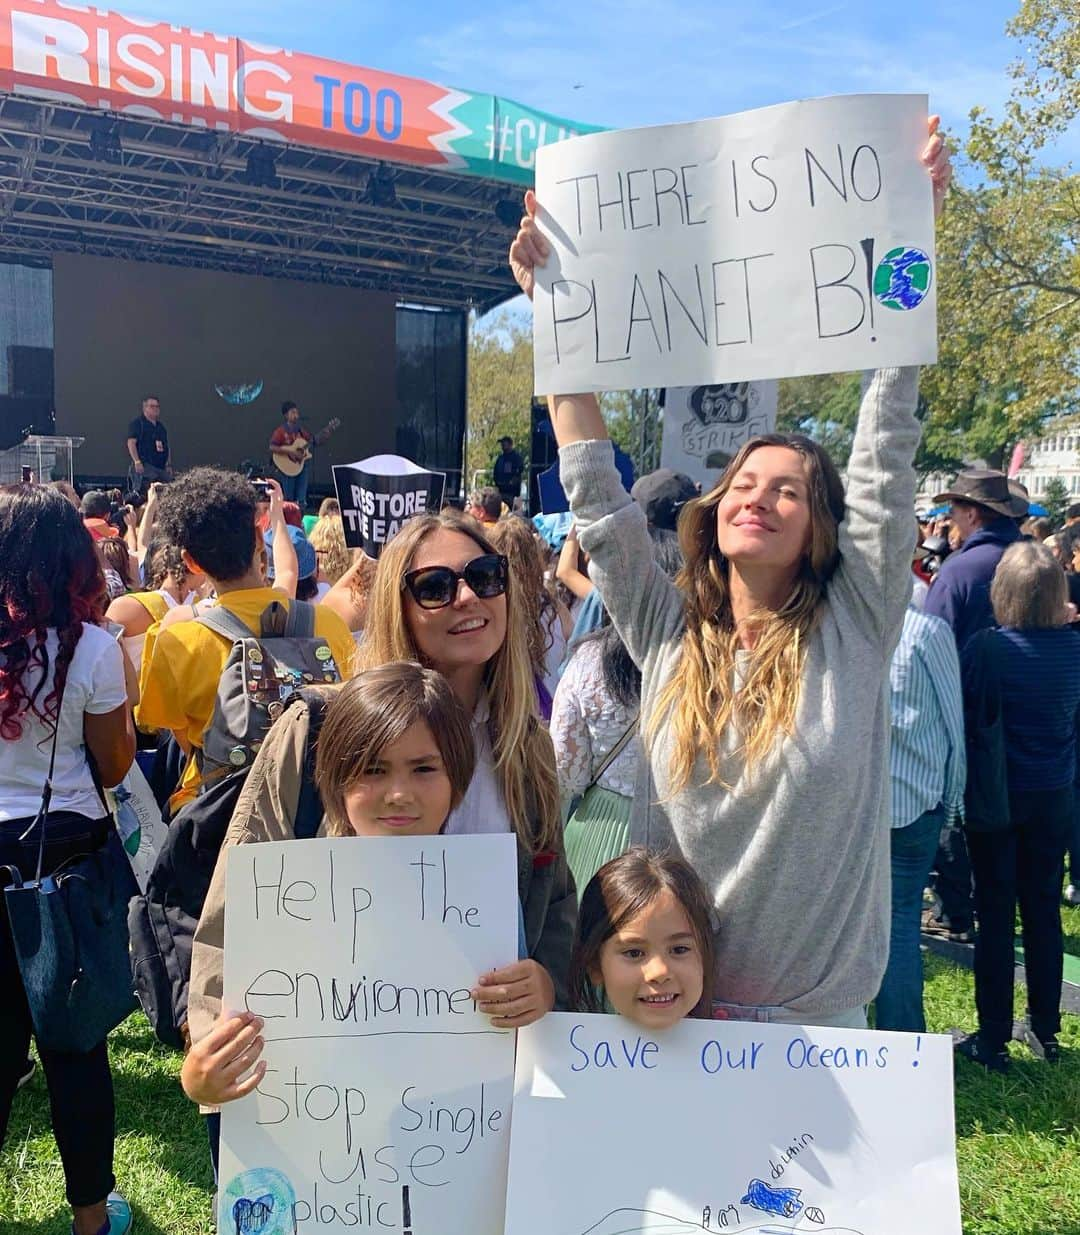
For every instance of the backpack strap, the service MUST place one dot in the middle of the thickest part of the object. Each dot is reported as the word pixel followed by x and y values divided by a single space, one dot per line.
pixel 293 621
pixel 222 622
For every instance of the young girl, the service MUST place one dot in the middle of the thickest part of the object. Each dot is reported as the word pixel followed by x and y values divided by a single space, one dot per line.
pixel 395 755
pixel 644 942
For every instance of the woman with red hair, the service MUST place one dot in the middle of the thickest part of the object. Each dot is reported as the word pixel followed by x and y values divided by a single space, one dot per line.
pixel 61 675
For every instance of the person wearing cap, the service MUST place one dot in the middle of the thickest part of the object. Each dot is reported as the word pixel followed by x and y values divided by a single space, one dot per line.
pixel 507 471
pixel 661 494
pixel 984 510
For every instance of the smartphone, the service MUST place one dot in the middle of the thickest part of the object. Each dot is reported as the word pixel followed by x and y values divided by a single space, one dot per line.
pixel 115 629
pixel 27 476
pixel 262 489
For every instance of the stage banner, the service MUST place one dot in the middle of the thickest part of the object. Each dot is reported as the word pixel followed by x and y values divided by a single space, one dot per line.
pixel 730 1126
pixel 386 1101
pixel 792 240
pixel 380 494
pixel 704 426
pixel 104 60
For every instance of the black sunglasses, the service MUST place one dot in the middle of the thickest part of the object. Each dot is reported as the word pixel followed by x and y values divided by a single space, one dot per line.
pixel 435 587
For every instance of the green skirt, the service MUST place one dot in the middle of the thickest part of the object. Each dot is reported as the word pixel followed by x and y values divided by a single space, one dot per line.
pixel 597 831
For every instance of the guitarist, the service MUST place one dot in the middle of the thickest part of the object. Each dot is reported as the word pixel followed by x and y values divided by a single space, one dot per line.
pixel 295 442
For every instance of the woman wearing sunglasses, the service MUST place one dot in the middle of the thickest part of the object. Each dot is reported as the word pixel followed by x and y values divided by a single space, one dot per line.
pixel 442 596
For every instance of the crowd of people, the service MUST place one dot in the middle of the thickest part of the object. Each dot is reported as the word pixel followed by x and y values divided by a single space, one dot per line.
pixel 720 726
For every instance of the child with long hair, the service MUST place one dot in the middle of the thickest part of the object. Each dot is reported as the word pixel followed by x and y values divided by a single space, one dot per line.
pixel 644 943
pixel 395 755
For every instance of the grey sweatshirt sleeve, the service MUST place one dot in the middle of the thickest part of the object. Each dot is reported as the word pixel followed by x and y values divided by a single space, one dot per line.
pixel 645 606
pixel 877 536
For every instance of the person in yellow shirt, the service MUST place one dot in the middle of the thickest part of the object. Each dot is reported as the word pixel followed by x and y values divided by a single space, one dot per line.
pixel 211 515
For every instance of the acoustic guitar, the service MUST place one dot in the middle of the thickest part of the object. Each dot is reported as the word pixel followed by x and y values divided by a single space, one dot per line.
pixel 292 460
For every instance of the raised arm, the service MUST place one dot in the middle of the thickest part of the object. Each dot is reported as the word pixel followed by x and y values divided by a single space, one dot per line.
pixel 643 603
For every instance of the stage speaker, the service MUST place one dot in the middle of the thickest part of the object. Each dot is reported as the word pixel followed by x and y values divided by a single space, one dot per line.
pixel 21 417
pixel 30 371
pixel 542 449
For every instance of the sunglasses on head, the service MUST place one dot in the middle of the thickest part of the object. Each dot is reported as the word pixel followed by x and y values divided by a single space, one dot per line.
pixel 435 587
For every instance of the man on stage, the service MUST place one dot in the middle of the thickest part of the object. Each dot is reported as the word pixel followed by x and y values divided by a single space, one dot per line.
pixel 148 444
pixel 294 442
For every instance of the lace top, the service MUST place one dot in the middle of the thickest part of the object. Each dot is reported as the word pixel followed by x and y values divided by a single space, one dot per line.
pixel 586 722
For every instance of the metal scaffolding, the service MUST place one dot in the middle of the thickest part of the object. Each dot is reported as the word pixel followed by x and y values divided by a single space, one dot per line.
pixel 74 180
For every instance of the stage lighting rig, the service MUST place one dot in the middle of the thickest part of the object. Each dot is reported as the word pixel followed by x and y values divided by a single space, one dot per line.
pixel 262 168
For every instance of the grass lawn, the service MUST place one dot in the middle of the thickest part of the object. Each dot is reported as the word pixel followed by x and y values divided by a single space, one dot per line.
pixel 1018 1139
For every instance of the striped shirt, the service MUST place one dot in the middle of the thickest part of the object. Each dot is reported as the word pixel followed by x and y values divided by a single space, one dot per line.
pixel 927 761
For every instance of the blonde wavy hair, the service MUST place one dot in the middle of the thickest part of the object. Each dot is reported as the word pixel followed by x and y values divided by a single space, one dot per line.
pixel 700 702
pixel 327 538
pixel 524 756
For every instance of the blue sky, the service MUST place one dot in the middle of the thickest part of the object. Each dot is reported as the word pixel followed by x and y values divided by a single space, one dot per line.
pixel 631 62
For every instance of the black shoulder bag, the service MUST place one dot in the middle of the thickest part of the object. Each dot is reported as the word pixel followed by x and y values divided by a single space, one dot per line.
pixel 70 934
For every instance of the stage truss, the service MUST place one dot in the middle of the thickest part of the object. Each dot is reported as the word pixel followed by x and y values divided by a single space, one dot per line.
pixel 74 180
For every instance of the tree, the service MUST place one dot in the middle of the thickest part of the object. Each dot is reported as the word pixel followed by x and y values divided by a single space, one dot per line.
pixel 1056 500
pixel 824 407
pixel 500 390
pixel 1009 286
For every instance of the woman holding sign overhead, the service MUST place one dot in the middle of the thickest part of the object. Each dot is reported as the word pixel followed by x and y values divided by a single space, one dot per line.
pixel 764 672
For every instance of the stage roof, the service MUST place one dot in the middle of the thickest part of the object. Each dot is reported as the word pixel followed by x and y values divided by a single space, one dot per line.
pixel 144 141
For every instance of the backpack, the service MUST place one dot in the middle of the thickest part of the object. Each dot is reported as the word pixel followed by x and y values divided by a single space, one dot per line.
pixel 260 676
pixel 162 921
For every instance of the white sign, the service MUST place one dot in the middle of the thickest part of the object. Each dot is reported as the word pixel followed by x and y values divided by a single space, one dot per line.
pixel 704 426
pixel 380 494
pixel 139 822
pixel 386 1103
pixel 730 1126
pixel 792 240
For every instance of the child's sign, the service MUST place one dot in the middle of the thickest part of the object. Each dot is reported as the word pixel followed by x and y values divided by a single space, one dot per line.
pixel 386 1101
pixel 791 240
pixel 730 1126
pixel 380 494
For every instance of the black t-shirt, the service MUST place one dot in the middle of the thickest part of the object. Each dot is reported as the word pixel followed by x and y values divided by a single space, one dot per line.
pixel 151 441
pixel 508 468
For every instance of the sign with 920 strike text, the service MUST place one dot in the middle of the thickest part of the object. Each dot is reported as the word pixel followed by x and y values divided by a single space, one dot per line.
pixel 791 240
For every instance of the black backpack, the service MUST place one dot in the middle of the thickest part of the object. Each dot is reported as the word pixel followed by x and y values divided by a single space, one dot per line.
pixel 162 921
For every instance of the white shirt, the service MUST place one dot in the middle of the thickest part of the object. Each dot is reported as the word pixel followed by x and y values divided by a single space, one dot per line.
pixel 586 722
pixel 95 685
pixel 482 808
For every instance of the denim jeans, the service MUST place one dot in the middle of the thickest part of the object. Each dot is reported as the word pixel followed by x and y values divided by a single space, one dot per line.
pixel 1022 863
pixel 80 1084
pixel 294 488
pixel 899 1003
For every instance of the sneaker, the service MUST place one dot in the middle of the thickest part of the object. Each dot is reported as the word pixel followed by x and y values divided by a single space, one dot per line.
pixel 972 1047
pixel 27 1074
pixel 1072 895
pixel 942 930
pixel 1046 1049
pixel 117 1216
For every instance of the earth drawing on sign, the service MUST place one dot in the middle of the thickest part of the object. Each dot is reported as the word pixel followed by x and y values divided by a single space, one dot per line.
pixel 903 278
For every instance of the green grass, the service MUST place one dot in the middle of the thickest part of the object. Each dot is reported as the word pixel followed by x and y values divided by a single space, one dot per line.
pixel 1018 1141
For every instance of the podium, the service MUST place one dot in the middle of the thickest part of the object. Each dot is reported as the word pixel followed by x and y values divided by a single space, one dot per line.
pixel 49 458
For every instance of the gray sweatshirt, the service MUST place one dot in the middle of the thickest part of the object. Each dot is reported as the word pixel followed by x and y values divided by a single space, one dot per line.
pixel 797 856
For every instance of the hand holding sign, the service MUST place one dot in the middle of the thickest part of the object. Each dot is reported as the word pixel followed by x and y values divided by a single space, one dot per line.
pixel 691 271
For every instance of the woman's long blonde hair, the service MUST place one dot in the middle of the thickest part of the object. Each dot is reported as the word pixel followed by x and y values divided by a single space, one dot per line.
pixel 524 756
pixel 700 701
pixel 327 538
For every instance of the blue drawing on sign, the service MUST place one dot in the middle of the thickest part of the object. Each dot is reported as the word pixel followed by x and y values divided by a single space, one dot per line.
pixel 783 1202
pixel 243 392
pixel 259 1201
pixel 250 1216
